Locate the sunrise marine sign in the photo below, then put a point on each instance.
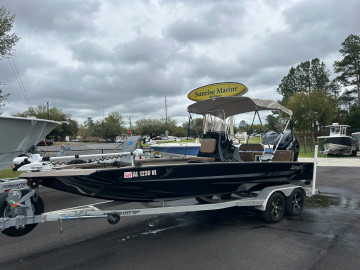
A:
(224, 89)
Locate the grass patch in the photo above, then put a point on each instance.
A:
(309, 154)
(9, 173)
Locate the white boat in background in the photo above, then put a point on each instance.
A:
(338, 142)
(180, 148)
(356, 135)
(19, 134)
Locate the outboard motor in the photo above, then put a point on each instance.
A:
(288, 142)
(270, 137)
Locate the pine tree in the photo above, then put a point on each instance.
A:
(305, 77)
(349, 66)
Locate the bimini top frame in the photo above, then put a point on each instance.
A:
(229, 106)
(224, 107)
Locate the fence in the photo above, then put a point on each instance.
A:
(307, 143)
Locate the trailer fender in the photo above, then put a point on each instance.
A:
(285, 190)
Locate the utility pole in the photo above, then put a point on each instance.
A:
(48, 110)
(166, 117)
(130, 121)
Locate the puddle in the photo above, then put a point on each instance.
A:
(329, 200)
(153, 227)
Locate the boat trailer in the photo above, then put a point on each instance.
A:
(12, 183)
(22, 209)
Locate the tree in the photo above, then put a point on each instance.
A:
(307, 76)
(273, 123)
(348, 99)
(353, 119)
(243, 126)
(108, 128)
(87, 129)
(179, 132)
(155, 127)
(256, 128)
(196, 127)
(7, 42)
(349, 66)
(311, 111)
(3, 97)
(99, 129)
(70, 128)
(113, 125)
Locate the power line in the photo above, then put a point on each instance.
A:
(43, 78)
(18, 79)
(22, 85)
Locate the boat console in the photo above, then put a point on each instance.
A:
(224, 150)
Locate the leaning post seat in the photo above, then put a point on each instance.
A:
(207, 147)
(284, 155)
(248, 151)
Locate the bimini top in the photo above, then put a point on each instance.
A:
(234, 105)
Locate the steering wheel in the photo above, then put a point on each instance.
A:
(234, 139)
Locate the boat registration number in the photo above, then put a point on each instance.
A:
(135, 174)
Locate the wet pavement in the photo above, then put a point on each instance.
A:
(343, 161)
(325, 236)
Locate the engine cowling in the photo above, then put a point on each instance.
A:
(288, 141)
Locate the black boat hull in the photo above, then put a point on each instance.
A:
(169, 182)
(341, 144)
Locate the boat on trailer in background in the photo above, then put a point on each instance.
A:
(18, 135)
(356, 135)
(338, 142)
(220, 175)
(179, 148)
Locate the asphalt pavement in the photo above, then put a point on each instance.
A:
(325, 236)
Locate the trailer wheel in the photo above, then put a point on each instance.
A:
(275, 208)
(113, 219)
(295, 203)
(8, 211)
(204, 199)
(211, 199)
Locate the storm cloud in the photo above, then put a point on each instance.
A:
(93, 57)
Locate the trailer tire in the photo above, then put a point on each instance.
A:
(76, 161)
(38, 208)
(204, 200)
(209, 199)
(295, 203)
(275, 208)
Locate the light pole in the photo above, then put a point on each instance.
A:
(48, 111)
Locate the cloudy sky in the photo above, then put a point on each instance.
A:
(91, 57)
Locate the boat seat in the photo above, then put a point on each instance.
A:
(248, 151)
(247, 156)
(283, 155)
(208, 146)
(253, 147)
